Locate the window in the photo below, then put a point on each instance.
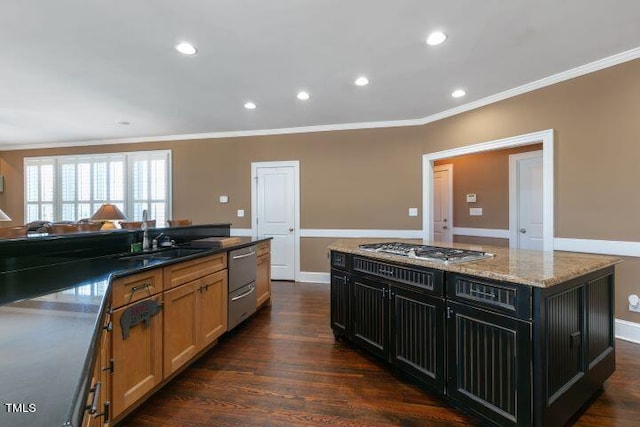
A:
(70, 188)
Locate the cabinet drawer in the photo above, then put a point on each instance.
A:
(187, 271)
(136, 287)
(263, 248)
(422, 278)
(338, 260)
(503, 297)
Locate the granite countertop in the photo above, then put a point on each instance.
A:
(533, 268)
(50, 320)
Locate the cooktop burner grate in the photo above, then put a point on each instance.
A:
(430, 253)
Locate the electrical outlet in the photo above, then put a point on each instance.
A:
(413, 211)
(240, 213)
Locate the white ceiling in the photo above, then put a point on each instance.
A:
(71, 69)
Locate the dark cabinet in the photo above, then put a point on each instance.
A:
(417, 336)
(512, 354)
(369, 315)
(489, 360)
(339, 303)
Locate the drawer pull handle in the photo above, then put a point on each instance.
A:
(243, 295)
(135, 289)
(244, 255)
(484, 294)
(93, 408)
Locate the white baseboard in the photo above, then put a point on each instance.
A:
(314, 277)
(628, 331)
(481, 232)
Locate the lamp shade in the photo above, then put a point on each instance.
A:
(108, 212)
(4, 216)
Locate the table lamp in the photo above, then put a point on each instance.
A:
(4, 216)
(109, 213)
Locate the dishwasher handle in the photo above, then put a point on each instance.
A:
(243, 255)
(253, 288)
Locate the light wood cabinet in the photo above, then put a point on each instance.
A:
(183, 272)
(136, 287)
(195, 316)
(101, 375)
(263, 273)
(137, 358)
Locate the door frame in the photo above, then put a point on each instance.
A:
(296, 205)
(547, 139)
(514, 206)
(448, 167)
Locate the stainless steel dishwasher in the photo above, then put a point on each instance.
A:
(242, 284)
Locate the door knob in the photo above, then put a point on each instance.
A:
(523, 230)
(290, 228)
(444, 227)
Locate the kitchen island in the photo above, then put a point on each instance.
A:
(58, 321)
(518, 338)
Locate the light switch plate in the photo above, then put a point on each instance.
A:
(240, 213)
(224, 199)
(475, 211)
(471, 198)
(413, 211)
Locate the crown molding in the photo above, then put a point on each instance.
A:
(591, 67)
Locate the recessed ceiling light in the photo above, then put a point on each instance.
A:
(458, 93)
(186, 48)
(250, 106)
(436, 38)
(362, 81)
(123, 123)
(303, 95)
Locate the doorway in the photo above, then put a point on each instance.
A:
(545, 137)
(275, 213)
(525, 201)
(443, 203)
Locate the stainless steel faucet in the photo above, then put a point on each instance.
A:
(145, 231)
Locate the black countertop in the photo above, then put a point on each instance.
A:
(50, 319)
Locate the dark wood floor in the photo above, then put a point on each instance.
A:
(283, 368)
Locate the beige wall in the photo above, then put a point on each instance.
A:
(343, 184)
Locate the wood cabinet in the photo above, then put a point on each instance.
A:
(137, 358)
(195, 316)
(513, 355)
(263, 273)
(100, 415)
(183, 272)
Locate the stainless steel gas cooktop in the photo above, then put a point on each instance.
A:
(429, 253)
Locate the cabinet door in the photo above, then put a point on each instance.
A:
(212, 307)
(369, 316)
(417, 336)
(263, 279)
(137, 359)
(486, 374)
(339, 302)
(181, 326)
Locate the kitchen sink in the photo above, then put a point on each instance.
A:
(166, 254)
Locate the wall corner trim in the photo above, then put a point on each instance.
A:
(628, 331)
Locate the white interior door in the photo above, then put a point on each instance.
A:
(528, 230)
(276, 216)
(442, 203)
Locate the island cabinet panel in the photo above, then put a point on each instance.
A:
(417, 335)
(137, 357)
(135, 287)
(98, 412)
(186, 271)
(212, 307)
(340, 303)
(369, 315)
(489, 362)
